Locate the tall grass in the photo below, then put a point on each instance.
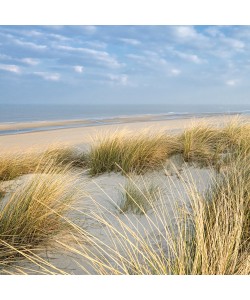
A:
(16, 164)
(201, 144)
(130, 153)
(138, 196)
(208, 234)
(33, 215)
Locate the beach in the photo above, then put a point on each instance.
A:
(108, 231)
(82, 136)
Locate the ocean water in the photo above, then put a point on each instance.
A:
(30, 113)
(94, 115)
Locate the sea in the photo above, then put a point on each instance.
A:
(94, 115)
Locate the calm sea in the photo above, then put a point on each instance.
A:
(94, 115)
(30, 113)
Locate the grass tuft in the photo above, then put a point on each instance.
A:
(34, 213)
(138, 196)
(138, 153)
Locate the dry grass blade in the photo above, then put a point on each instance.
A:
(132, 153)
(33, 214)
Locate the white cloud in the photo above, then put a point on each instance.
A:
(190, 57)
(30, 45)
(4, 56)
(118, 79)
(175, 72)
(96, 44)
(101, 56)
(32, 33)
(232, 82)
(89, 29)
(11, 68)
(189, 35)
(133, 42)
(185, 32)
(48, 76)
(59, 37)
(234, 43)
(30, 61)
(78, 69)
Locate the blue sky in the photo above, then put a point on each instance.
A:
(125, 64)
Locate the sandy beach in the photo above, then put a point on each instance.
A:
(82, 136)
(97, 210)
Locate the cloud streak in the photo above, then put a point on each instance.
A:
(11, 68)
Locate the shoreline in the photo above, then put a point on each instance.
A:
(16, 128)
(83, 136)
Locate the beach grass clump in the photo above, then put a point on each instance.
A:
(138, 196)
(201, 144)
(2, 193)
(236, 136)
(138, 153)
(34, 213)
(206, 234)
(16, 164)
(13, 165)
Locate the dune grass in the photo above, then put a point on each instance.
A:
(139, 195)
(130, 153)
(208, 235)
(16, 164)
(201, 144)
(33, 214)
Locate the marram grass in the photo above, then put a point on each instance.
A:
(33, 214)
(138, 195)
(209, 235)
(16, 164)
(130, 153)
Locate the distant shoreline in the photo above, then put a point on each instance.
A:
(82, 137)
(14, 128)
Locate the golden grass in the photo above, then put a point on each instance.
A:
(139, 195)
(34, 213)
(130, 153)
(208, 235)
(16, 164)
(201, 144)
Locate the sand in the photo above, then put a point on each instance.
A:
(104, 193)
(82, 136)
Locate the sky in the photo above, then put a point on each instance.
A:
(125, 64)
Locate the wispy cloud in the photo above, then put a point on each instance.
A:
(101, 56)
(189, 57)
(11, 68)
(118, 79)
(78, 69)
(132, 42)
(232, 82)
(175, 72)
(89, 29)
(30, 45)
(48, 76)
(30, 61)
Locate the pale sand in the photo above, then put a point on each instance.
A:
(82, 136)
(105, 190)
(103, 195)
